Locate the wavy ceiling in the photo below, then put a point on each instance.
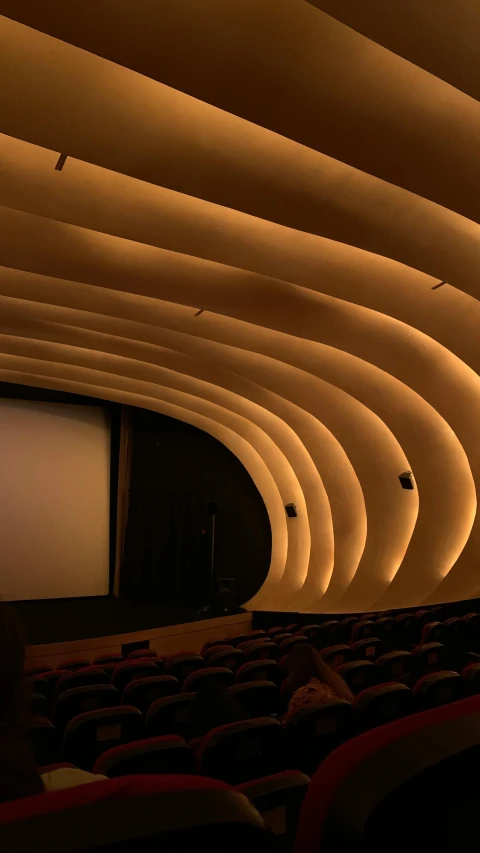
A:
(304, 174)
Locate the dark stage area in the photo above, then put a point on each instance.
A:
(61, 620)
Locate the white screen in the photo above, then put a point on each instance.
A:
(54, 500)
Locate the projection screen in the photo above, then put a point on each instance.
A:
(54, 500)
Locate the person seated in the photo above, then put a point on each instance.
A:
(19, 773)
(211, 707)
(311, 681)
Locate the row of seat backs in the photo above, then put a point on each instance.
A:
(312, 733)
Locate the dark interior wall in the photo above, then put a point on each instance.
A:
(177, 470)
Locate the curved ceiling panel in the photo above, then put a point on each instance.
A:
(305, 290)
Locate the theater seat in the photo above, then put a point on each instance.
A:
(255, 635)
(331, 633)
(143, 692)
(183, 665)
(386, 630)
(411, 785)
(336, 655)
(438, 688)
(79, 700)
(429, 657)
(44, 740)
(90, 734)
(396, 666)
(73, 664)
(382, 704)
(358, 674)
(362, 630)
(287, 645)
(167, 754)
(258, 670)
(210, 644)
(169, 716)
(279, 800)
(278, 629)
(83, 678)
(142, 654)
(257, 698)
(132, 671)
(38, 705)
(114, 657)
(242, 751)
(310, 631)
(280, 637)
(236, 639)
(406, 630)
(213, 650)
(434, 632)
(471, 678)
(369, 648)
(292, 628)
(37, 684)
(136, 814)
(314, 731)
(231, 658)
(261, 651)
(218, 674)
(34, 670)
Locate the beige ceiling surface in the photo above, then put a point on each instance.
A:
(304, 174)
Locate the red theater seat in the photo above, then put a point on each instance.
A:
(143, 692)
(167, 754)
(396, 666)
(131, 671)
(183, 665)
(79, 700)
(196, 680)
(258, 670)
(257, 634)
(32, 671)
(90, 734)
(136, 814)
(169, 716)
(44, 740)
(331, 633)
(38, 705)
(257, 698)
(231, 658)
(336, 655)
(358, 674)
(215, 649)
(73, 664)
(292, 628)
(369, 648)
(434, 632)
(141, 654)
(278, 629)
(408, 785)
(471, 678)
(311, 631)
(386, 629)
(238, 752)
(83, 678)
(314, 731)
(362, 630)
(261, 651)
(279, 800)
(111, 658)
(278, 638)
(287, 645)
(382, 704)
(438, 688)
(429, 657)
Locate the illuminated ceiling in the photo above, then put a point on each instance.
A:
(259, 200)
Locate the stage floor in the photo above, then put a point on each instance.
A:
(61, 620)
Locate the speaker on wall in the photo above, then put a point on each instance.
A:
(406, 479)
(291, 510)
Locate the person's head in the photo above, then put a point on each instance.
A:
(13, 701)
(213, 706)
(305, 663)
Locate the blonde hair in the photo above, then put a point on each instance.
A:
(305, 663)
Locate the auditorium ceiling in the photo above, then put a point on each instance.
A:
(267, 225)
